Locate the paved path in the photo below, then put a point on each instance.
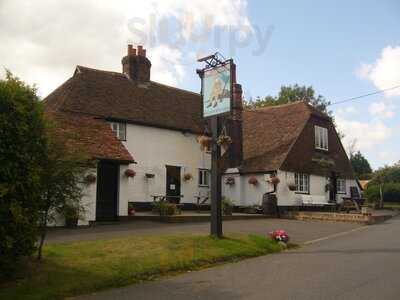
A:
(301, 231)
(363, 264)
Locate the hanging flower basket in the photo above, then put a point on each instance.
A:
(89, 179)
(230, 180)
(205, 142)
(253, 180)
(292, 186)
(187, 176)
(274, 180)
(130, 173)
(224, 141)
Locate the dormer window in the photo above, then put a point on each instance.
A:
(321, 138)
(120, 130)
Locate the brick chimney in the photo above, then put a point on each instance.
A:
(136, 65)
(235, 124)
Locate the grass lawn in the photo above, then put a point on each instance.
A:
(83, 267)
(391, 205)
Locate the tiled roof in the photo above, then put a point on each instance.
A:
(89, 134)
(113, 95)
(268, 134)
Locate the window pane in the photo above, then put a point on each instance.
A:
(122, 131)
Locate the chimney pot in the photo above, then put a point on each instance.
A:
(135, 65)
(140, 50)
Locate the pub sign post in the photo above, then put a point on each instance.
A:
(216, 90)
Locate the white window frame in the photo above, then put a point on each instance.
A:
(321, 138)
(204, 177)
(341, 186)
(302, 182)
(119, 129)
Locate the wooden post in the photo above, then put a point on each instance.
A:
(216, 210)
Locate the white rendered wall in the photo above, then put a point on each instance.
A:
(153, 149)
(89, 201)
(244, 194)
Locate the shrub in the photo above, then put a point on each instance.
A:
(165, 208)
(22, 149)
(227, 206)
(391, 192)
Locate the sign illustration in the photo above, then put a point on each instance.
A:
(217, 90)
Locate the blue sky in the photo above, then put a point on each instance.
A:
(324, 44)
(341, 48)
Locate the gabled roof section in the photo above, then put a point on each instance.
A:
(112, 95)
(86, 133)
(270, 132)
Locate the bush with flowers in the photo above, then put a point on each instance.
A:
(279, 235)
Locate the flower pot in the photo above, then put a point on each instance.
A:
(253, 180)
(230, 181)
(274, 180)
(187, 176)
(292, 187)
(130, 173)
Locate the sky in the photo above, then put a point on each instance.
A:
(342, 48)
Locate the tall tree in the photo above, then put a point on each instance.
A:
(360, 165)
(293, 93)
(22, 150)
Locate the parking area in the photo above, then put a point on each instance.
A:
(299, 231)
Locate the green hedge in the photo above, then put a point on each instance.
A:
(391, 192)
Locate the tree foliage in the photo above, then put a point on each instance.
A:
(360, 165)
(63, 187)
(22, 149)
(387, 180)
(293, 93)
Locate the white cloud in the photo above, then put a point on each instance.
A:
(347, 110)
(367, 134)
(381, 109)
(384, 72)
(42, 41)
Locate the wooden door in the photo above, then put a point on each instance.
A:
(107, 191)
(173, 183)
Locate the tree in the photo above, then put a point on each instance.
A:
(360, 165)
(22, 150)
(293, 93)
(64, 182)
(385, 185)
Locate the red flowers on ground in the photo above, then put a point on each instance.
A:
(279, 235)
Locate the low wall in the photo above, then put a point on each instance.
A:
(338, 217)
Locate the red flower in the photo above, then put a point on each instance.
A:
(253, 180)
(130, 173)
